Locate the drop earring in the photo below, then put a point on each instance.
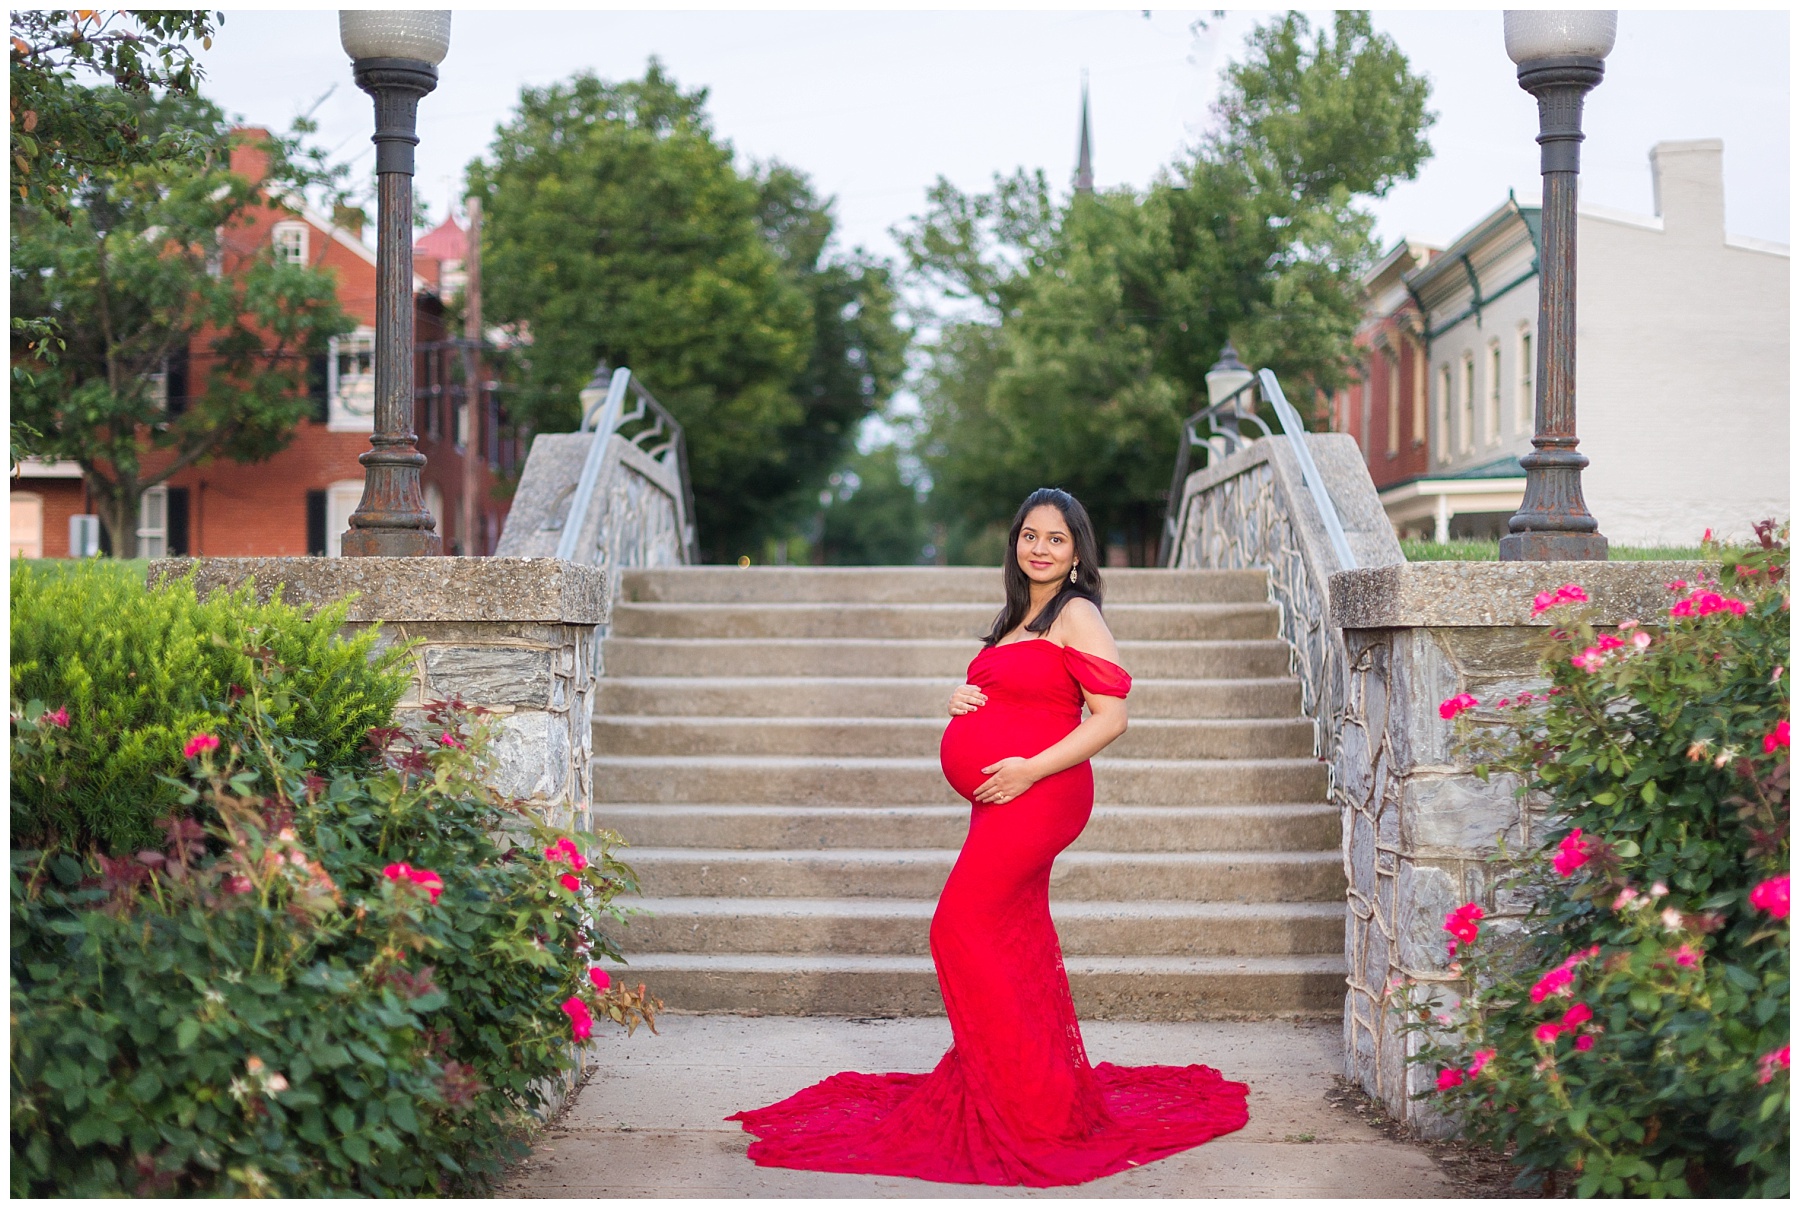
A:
(1072, 573)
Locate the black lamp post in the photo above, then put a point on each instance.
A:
(1561, 56)
(395, 54)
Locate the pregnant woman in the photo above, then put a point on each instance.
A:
(1015, 1101)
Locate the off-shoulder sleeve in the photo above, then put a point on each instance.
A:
(1096, 675)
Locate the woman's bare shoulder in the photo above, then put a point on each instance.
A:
(1081, 626)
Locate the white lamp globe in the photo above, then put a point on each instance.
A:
(1226, 376)
(1548, 33)
(395, 33)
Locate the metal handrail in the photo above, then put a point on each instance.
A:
(1224, 438)
(1222, 420)
(609, 417)
(1315, 482)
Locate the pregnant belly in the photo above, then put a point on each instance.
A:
(990, 734)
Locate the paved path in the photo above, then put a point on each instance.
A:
(649, 1122)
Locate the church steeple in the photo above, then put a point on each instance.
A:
(1084, 155)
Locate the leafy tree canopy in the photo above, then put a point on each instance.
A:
(1088, 325)
(617, 228)
(65, 129)
(148, 256)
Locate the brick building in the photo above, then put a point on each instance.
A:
(298, 501)
(1385, 409)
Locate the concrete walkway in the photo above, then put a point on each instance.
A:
(648, 1121)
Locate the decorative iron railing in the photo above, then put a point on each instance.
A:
(1225, 437)
(616, 493)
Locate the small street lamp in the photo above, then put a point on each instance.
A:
(1561, 56)
(395, 53)
(1227, 376)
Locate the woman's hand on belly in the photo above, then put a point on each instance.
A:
(1007, 780)
(966, 699)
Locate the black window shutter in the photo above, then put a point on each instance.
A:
(315, 524)
(175, 378)
(318, 378)
(178, 522)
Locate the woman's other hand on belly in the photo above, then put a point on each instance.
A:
(1007, 780)
(966, 699)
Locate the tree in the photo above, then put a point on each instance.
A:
(145, 260)
(872, 512)
(617, 228)
(1093, 321)
(62, 130)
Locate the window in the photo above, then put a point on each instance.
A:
(1467, 412)
(341, 500)
(1419, 393)
(1527, 383)
(290, 239)
(153, 523)
(352, 382)
(318, 386)
(317, 545)
(1443, 416)
(1391, 362)
(1493, 408)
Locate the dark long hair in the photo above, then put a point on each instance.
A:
(1086, 583)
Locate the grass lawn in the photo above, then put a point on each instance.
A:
(1418, 550)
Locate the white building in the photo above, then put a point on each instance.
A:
(1681, 375)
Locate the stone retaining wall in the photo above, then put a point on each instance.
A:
(517, 636)
(1419, 826)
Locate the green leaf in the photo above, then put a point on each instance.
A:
(186, 1033)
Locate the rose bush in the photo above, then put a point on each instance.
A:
(1633, 1036)
(309, 986)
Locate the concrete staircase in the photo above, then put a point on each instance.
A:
(766, 740)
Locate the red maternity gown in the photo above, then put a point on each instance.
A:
(1015, 1101)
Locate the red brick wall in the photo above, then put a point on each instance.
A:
(62, 498)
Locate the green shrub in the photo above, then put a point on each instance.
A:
(136, 672)
(1635, 1034)
(1424, 550)
(353, 987)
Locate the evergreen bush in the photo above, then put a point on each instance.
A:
(1634, 1036)
(357, 986)
(133, 672)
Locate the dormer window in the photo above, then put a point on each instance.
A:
(290, 242)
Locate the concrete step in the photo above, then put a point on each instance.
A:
(1152, 738)
(1245, 877)
(845, 697)
(1104, 988)
(933, 658)
(902, 926)
(1292, 827)
(818, 781)
(1129, 622)
(920, 585)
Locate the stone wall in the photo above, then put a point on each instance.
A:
(1419, 826)
(517, 636)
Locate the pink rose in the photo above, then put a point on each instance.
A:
(1547, 1033)
(1771, 897)
(599, 978)
(1590, 660)
(1571, 854)
(570, 882)
(1577, 1015)
(1482, 1058)
(450, 740)
(1584, 1042)
(581, 1021)
(199, 743)
(1686, 955)
(1771, 1062)
(1464, 923)
(1453, 706)
(1449, 1077)
(1640, 640)
(1776, 738)
(60, 717)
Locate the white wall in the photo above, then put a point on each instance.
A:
(1682, 364)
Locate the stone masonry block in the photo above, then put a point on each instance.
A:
(489, 675)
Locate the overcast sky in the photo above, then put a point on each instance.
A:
(874, 105)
